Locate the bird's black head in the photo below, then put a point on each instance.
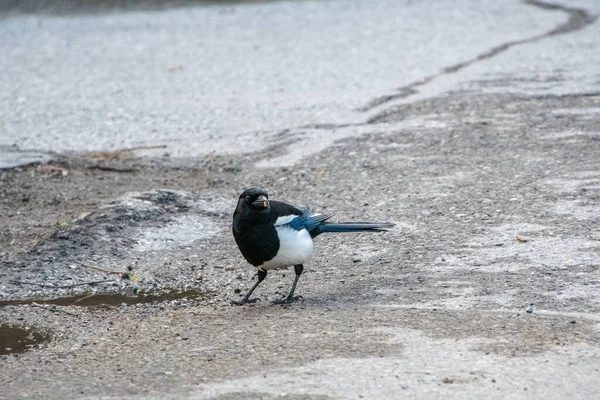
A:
(255, 198)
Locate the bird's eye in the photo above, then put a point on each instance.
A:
(247, 198)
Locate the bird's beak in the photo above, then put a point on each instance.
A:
(261, 202)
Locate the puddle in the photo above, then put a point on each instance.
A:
(15, 339)
(109, 300)
(13, 157)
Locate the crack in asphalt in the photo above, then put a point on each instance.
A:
(578, 19)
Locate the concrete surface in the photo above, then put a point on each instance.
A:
(471, 125)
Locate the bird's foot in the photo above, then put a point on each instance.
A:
(288, 300)
(244, 301)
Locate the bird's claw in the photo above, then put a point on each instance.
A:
(288, 300)
(244, 301)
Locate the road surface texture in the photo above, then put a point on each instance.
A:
(129, 129)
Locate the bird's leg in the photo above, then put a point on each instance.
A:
(262, 274)
(298, 269)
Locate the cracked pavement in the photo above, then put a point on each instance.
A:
(473, 127)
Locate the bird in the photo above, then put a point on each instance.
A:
(272, 234)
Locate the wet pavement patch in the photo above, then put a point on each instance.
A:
(65, 7)
(15, 339)
(111, 300)
(13, 158)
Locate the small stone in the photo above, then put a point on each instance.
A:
(530, 309)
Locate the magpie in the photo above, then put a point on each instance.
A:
(271, 235)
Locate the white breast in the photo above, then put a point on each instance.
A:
(285, 220)
(295, 247)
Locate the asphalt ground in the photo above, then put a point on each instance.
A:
(487, 286)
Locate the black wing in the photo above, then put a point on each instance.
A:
(281, 209)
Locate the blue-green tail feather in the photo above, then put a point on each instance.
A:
(351, 227)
